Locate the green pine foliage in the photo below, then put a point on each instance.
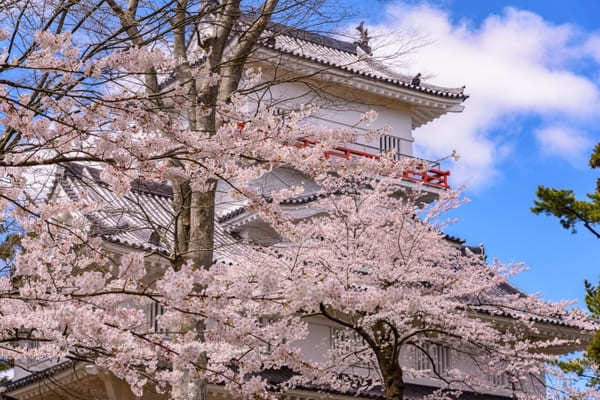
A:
(570, 212)
(584, 366)
(562, 204)
(592, 354)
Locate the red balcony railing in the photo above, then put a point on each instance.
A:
(431, 176)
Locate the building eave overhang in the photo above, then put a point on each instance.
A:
(64, 373)
(240, 217)
(425, 107)
(74, 373)
(546, 330)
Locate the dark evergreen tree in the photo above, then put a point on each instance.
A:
(562, 204)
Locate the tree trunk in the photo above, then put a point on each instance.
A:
(202, 227)
(394, 382)
(385, 338)
(195, 209)
(383, 342)
(181, 208)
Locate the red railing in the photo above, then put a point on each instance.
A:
(432, 176)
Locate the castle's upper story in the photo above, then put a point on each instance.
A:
(345, 69)
(345, 80)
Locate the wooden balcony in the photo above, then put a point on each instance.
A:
(435, 176)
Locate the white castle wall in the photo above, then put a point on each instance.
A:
(319, 341)
(341, 109)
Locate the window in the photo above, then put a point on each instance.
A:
(31, 344)
(351, 348)
(265, 347)
(440, 355)
(27, 342)
(500, 381)
(388, 144)
(341, 338)
(156, 309)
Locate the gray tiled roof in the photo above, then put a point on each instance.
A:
(37, 376)
(304, 199)
(346, 56)
(313, 37)
(133, 219)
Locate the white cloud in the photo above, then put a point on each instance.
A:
(592, 47)
(564, 142)
(514, 65)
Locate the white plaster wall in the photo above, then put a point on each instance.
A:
(317, 343)
(341, 109)
(315, 346)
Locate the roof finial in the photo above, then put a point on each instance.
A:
(416, 81)
(363, 42)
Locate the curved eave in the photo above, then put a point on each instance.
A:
(453, 93)
(548, 328)
(244, 218)
(424, 105)
(64, 373)
(240, 217)
(423, 115)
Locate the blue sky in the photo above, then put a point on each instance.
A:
(532, 69)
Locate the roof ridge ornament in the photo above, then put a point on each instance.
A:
(416, 81)
(363, 42)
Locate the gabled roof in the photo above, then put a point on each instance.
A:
(328, 54)
(343, 55)
(347, 56)
(143, 219)
(37, 376)
(345, 64)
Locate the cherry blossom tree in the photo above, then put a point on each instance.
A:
(375, 263)
(120, 89)
(143, 89)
